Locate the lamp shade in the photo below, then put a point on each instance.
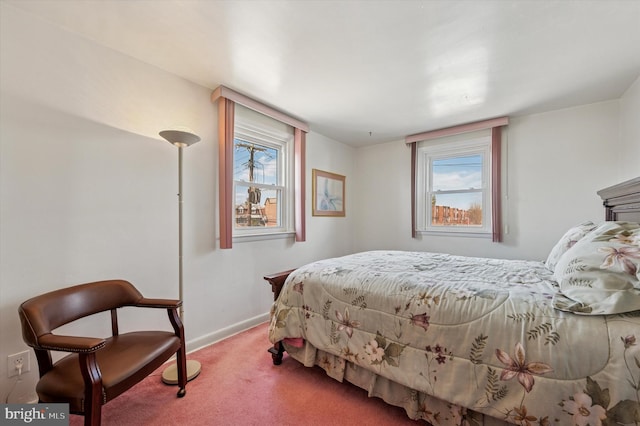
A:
(180, 138)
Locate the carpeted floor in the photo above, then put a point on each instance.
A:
(239, 385)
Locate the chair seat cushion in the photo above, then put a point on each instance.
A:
(125, 360)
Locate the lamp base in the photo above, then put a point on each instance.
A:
(170, 374)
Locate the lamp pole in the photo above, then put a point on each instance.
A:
(181, 139)
(180, 201)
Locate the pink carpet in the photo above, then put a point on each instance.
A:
(239, 385)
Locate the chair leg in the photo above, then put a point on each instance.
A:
(181, 354)
(93, 417)
(181, 361)
(93, 389)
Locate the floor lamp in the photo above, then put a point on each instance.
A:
(180, 139)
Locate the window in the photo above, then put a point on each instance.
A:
(271, 132)
(491, 173)
(454, 185)
(262, 175)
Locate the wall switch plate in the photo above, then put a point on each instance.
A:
(14, 360)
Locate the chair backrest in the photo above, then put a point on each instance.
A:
(42, 314)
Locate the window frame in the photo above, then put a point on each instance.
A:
(283, 142)
(427, 152)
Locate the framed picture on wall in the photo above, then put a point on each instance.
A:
(328, 193)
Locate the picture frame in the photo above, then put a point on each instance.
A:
(328, 194)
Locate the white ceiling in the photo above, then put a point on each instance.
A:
(391, 68)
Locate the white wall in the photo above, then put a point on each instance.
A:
(88, 189)
(555, 164)
(629, 153)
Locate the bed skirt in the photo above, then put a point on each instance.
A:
(418, 405)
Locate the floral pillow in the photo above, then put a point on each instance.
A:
(572, 236)
(600, 274)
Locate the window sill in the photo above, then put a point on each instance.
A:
(456, 234)
(263, 236)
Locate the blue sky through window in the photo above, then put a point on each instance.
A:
(457, 173)
(265, 163)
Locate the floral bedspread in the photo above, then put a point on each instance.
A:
(480, 334)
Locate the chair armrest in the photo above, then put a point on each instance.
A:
(158, 303)
(70, 343)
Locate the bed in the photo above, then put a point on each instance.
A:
(464, 341)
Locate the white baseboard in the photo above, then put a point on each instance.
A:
(216, 336)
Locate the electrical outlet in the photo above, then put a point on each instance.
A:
(14, 360)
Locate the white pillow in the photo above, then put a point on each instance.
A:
(600, 274)
(572, 236)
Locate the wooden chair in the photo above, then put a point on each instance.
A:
(97, 369)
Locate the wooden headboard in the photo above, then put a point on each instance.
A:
(622, 201)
